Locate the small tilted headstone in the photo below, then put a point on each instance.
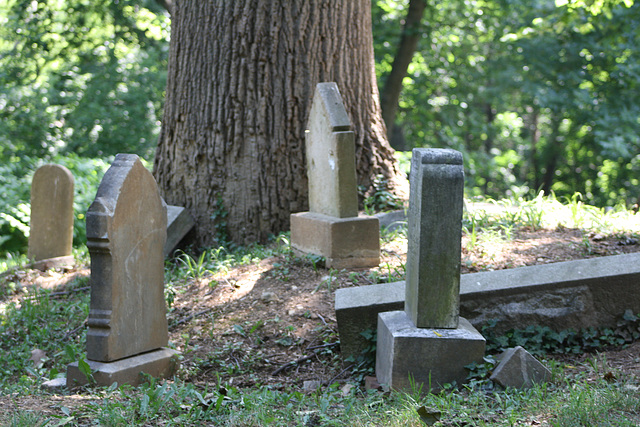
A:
(179, 223)
(51, 234)
(126, 234)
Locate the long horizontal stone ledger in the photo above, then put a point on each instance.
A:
(571, 294)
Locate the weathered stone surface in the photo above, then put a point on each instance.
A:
(57, 262)
(435, 231)
(161, 363)
(432, 357)
(56, 383)
(519, 369)
(51, 234)
(344, 242)
(357, 311)
(179, 223)
(330, 151)
(126, 234)
(571, 294)
(393, 220)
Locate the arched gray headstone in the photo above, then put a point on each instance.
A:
(51, 234)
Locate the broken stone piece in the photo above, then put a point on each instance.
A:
(519, 369)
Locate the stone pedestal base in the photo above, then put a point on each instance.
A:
(161, 363)
(61, 261)
(344, 242)
(431, 357)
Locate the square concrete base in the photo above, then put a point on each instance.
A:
(344, 242)
(431, 357)
(161, 363)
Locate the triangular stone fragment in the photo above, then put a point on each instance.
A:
(519, 369)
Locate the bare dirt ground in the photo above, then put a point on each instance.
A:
(272, 324)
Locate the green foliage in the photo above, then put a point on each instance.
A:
(544, 211)
(81, 77)
(542, 340)
(45, 321)
(382, 199)
(535, 94)
(219, 217)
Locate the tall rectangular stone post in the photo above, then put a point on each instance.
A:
(332, 227)
(434, 227)
(51, 225)
(126, 234)
(428, 342)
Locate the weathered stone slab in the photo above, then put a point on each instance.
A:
(51, 235)
(56, 383)
(126, 234)
(357, 308)
(571, 294)
(393, 220)
(435, 232)
(519, 369)
(330, 151)
(179, 223)
(344, 242)
(161, 363)
(431, 357)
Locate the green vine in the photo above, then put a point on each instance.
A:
(540, 340)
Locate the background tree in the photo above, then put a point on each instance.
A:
(81, 77)
(536, 94)
(241, 78)
(411, 32)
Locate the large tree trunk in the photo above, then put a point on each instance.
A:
(241, 78)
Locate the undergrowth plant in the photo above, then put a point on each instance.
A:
(381, 199)
(546, 211)
(542, 340)
(42, 334)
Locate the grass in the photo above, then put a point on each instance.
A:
(39, 319)
(550, 213)
(569, 401)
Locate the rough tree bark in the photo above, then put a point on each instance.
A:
(240, 82)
